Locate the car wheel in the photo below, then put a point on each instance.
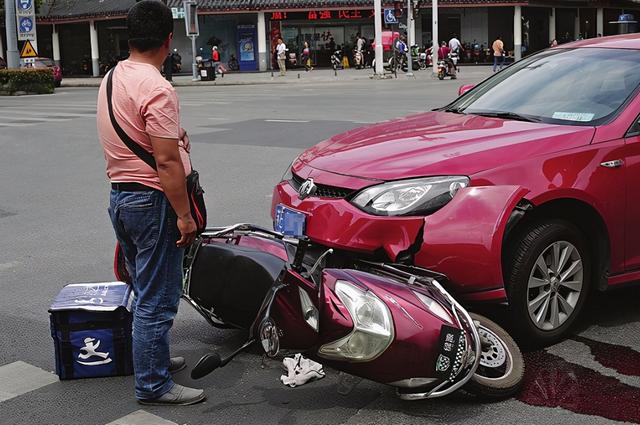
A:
(58, 83)
(548, 280)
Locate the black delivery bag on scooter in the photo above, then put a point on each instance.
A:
(91, 330)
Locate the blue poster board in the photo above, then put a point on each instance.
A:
(248, 47)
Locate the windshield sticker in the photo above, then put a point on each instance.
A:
(573, 116)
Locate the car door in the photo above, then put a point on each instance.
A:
(632, 211)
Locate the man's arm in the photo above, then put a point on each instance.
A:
(173, 182)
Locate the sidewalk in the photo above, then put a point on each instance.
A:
(294, 76)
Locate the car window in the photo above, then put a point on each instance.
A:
(44, 63)
(565, 86)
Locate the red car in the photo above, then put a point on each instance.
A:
(49, 63)
(524, 190)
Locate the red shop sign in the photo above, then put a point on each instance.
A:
(323, 15)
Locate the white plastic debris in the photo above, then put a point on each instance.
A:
(300, 371)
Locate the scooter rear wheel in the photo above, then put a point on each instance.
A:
(501, 369)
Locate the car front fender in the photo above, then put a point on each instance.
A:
(464, 240)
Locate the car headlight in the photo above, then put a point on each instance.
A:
(372, 326)
(410, 197)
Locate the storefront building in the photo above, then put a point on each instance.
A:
(88, 36)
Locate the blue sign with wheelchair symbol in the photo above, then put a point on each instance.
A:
(390, 16)
(25, 4)
(26, 24)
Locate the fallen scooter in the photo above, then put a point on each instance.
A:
(389, 323)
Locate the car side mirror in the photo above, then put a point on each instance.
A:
(465, 88)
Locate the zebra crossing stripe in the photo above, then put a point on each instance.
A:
(141, 417)
(19, 378)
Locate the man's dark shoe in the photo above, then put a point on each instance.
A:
(178, 396)
(177, 364)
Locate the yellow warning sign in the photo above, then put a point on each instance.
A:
(28, 51)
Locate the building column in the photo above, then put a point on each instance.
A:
(95, 54)
(552, 25)
(517, 33)
(417, 23)
(600, 21)
(411, 31)
(262, 42)
(576, 25)
(55, 41)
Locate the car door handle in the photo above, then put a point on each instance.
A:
(616, 163)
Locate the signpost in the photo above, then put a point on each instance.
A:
(26, 19)
(390, 16)
(28, 53)
(193, 31)
(377, 12)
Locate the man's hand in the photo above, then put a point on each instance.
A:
(187, 228)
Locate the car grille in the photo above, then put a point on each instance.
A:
(322, 190)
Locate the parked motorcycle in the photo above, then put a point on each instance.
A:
(336, 60)
(234, 65)
(390, 323)
(358, 59)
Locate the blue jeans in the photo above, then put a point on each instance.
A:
(498, 61)
(146, 228)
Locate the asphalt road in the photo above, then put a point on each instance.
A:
(54, 230)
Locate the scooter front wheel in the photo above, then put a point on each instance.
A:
(501, 369)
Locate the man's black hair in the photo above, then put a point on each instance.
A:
(149, 23)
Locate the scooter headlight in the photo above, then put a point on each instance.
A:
(373, 326)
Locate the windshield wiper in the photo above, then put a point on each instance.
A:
(454, 110)
(506, 115)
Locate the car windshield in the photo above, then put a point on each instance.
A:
(583, 86)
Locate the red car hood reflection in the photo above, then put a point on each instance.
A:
(439, 143)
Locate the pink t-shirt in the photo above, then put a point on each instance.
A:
(144, 104)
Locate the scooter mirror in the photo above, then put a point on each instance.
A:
(269, 337)
(207, 364)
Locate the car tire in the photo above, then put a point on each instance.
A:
(544, 304)
(57, 83)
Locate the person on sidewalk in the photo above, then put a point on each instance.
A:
(215, 61)
(281, 52)
(306, 57)
(149, 209)
(498, 54)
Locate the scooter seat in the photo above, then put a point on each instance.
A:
(232, 281)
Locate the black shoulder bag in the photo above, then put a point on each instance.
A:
(194, 190)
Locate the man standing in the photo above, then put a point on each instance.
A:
(281, 52)
(498, 54)
(455, 45)
(149, 209)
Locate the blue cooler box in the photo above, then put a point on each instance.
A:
(91, 330)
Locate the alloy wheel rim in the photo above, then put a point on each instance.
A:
(555, 285)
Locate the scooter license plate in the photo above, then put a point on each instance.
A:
(449, 357)
(289, 221)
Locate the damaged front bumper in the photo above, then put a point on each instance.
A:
(463, 240)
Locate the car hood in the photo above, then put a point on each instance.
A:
(439, 143)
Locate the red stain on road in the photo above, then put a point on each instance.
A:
(551, 381)
(622, 359)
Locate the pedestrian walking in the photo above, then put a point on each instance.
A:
(281, 52)
(306, 57)
(498, 54)
(149, 209)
